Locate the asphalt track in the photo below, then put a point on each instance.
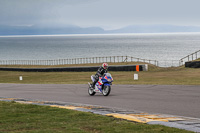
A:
(165, 99)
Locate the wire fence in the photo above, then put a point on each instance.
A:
(168, 63)
(191, 57)
(111, 59)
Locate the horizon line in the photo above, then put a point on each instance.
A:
(84, 34)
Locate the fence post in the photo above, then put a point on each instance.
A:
(196, 54)
(192, 57)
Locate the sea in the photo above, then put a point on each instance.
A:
(152, 46)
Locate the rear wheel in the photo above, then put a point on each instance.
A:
(91, 91)
(106, 90)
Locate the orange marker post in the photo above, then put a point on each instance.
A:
(137, 68)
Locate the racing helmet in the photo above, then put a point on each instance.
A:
(105, 66)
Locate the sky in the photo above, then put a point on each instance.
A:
(108, 14)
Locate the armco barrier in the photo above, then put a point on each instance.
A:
(77, 69)
(193, 64)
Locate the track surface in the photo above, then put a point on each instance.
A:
(166, 99)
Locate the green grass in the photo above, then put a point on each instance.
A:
(155, 75)
(197, 59)
(163, 76)
(15, 117)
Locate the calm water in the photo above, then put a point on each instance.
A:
(149, 46)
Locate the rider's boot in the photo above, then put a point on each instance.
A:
(93, 85)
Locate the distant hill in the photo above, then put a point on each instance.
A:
(72, 29)
(47, 30)
(155, 29)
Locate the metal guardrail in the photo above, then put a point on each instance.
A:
(191, 57)
(110, 59)
(143, 67)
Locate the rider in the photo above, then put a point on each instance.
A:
(100, 72)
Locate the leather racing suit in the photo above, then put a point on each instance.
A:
(99, 73)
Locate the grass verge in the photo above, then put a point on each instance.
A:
(155, 75)
(15, 117)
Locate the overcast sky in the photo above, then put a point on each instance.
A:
(107, 14)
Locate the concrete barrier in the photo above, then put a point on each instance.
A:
(193, 64)
(78, 69)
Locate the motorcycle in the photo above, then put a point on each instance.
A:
(103, 86)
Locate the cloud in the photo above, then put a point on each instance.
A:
(107, 13)
(23, 11)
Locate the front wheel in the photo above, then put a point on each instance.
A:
(106, 90)
(91, 91)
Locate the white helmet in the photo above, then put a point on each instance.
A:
(105, 66)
